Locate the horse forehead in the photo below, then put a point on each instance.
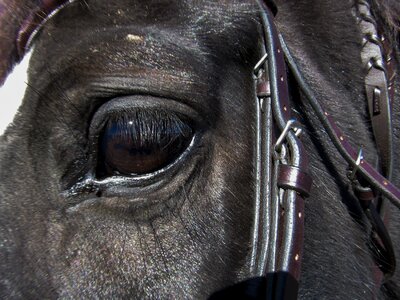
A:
(137, 34)
(205, 18)
(160, 11)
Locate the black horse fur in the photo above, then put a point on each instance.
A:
(185, 232)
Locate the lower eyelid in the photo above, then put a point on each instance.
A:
(90, 192)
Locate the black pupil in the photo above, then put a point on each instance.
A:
(141, 142)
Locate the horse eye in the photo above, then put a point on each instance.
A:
(141, 142)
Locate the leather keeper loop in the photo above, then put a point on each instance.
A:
(263, 88)
(290, 177)
(364, 195)
(367, 195)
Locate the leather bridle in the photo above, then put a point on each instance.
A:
(281, 203)
(278, 229)
(278, 232)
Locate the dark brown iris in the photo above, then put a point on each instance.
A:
(142, 143)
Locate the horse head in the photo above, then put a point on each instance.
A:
(131, 167)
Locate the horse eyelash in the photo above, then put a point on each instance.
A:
(149, 127)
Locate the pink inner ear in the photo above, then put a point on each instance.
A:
(19, 21)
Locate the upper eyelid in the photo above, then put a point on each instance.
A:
(149, 124)
(139, 102)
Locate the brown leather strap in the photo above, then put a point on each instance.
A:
(376, 84)
(287, 213)
(290, 177)
(342, 144)
(366, 173)
(376, 55)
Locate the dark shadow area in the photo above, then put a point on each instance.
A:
(273, 286)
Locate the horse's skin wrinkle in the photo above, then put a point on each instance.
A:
(186, 232)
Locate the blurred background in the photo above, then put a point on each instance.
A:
(12, 92)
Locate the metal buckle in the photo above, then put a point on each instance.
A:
(291, 124)
(376, 63)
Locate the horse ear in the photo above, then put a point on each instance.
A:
(19, 20)
(12, 15)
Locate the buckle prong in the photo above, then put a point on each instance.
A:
(291, 124)
(354, 169)
(260, 64)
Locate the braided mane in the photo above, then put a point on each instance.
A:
(387, 12)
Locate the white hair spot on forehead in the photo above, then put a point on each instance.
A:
(134, 38)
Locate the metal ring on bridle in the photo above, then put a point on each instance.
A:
(376, 63)
(373, 38)
(291, 124)
(281, 154)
